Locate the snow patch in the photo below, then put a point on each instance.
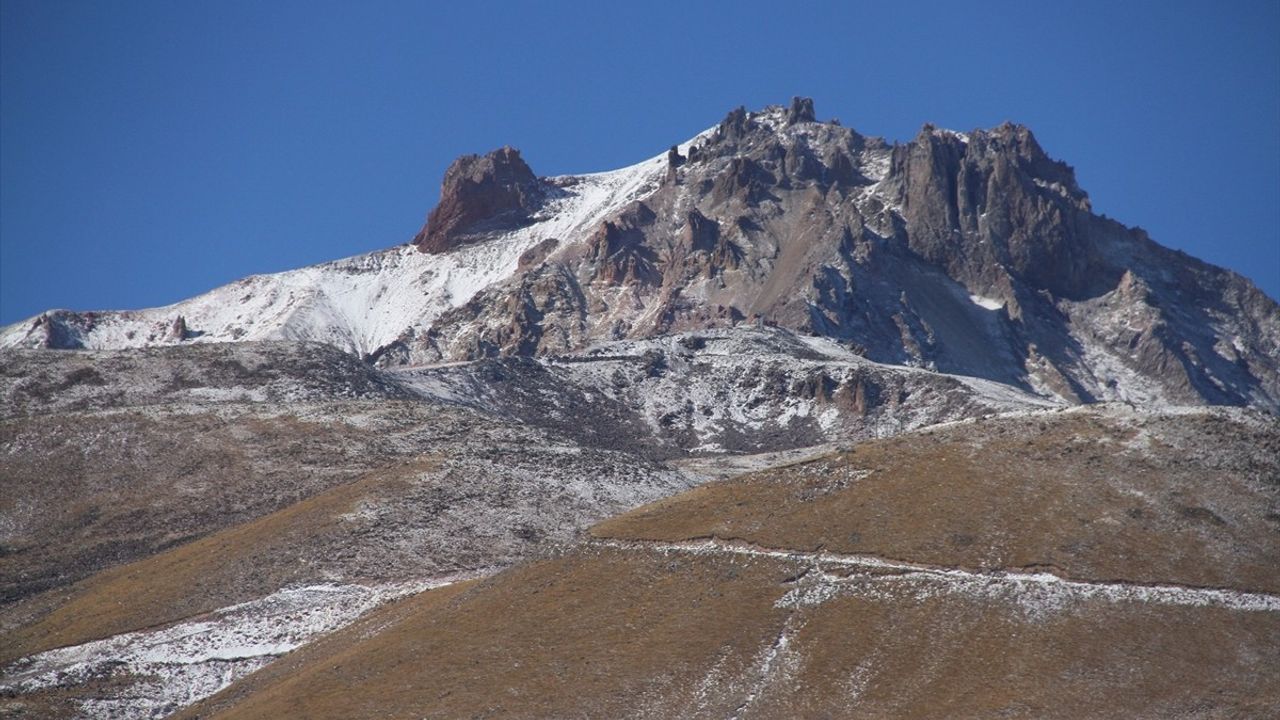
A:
(986, 302)
(1037, 592)
(361, 303)
(178, 665)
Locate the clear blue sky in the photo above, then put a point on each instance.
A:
(150, 151)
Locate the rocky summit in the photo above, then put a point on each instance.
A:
(784, 421)
(478, 194)
(972, 253)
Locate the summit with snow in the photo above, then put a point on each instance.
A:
(969, 253)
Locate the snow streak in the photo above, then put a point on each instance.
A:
(1047, 590)
(178, 665)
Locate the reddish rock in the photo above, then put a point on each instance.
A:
(496, 190)
(619, 249)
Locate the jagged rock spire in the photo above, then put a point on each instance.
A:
(801, 110)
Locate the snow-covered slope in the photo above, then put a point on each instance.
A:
(359, 304)
(185, 662)
(730, 390)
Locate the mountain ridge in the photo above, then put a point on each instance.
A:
(972, 253)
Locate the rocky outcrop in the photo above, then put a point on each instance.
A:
(705, 247)
(497, 190)
(801, 110)
(734, 126)
(178, 330)
(982, 203)
(619, 250)
(674, 161)
(745, 180)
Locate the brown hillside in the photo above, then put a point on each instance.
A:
(235, 565)
(643, 623)
(1094, 495)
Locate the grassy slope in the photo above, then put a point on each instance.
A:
(328, 649)
(1066, 493)
(603, 632)
(87, 491)
(234, 565)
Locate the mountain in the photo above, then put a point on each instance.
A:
(968, 253)
(783, 422)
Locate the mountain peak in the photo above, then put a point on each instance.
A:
(495, 187)
(973, 253)
(801, 110)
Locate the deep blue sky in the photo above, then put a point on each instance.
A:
(150, 151)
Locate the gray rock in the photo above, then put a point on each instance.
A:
(801, 110)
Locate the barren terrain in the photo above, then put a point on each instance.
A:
(821, 590)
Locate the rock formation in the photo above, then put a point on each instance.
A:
(497, 189)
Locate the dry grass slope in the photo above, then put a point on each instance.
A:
(592, 635)
(234, 565)
(630, 630)
(1186, 500)
(86, 491)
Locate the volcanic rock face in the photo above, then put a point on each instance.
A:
(498, 187)
(972, 253)
(801, 110)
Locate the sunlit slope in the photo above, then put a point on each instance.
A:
(951, 573)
